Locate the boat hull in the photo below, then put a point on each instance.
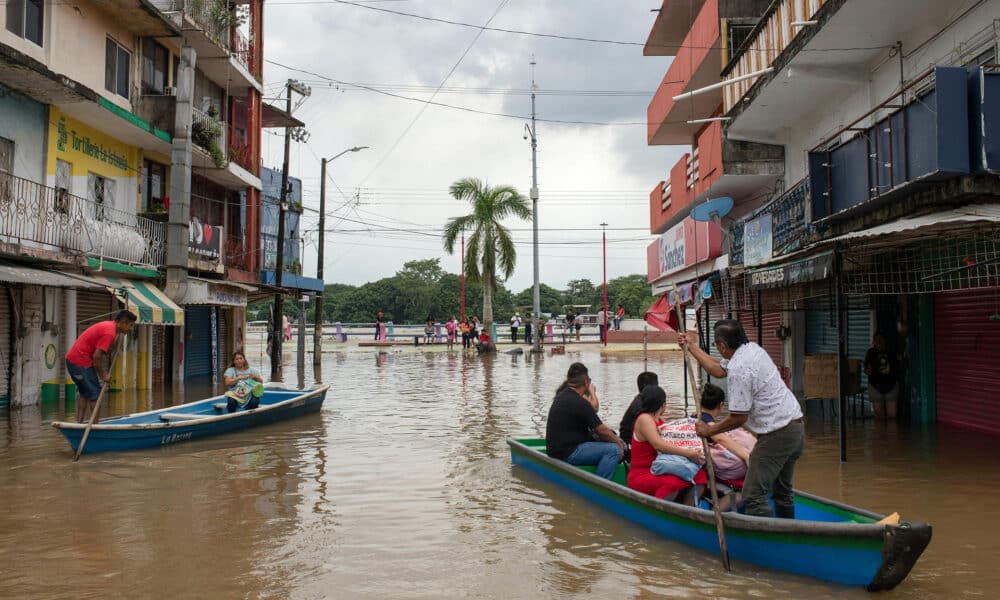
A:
(843, 544)
(148, 430)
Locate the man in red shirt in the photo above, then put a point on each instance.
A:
(88, 361)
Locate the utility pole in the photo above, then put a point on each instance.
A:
(604, 253)
(533, 130)
(318, 306)
(279, 266)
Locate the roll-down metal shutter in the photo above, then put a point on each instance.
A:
(5, 346)
(967, 357)
(197, 341)
(93, 306)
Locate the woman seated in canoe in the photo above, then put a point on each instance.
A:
(731, 450)
(647, 442)
(244, 383)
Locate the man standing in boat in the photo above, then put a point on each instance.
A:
(88, 361)
(759, 399)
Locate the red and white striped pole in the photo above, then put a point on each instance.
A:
(463, 277)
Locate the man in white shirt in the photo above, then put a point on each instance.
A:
(601, 323)
(515, 322)
(761, 401)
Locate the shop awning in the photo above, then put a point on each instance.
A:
(144, 300)
(217, 293)
(19, 274)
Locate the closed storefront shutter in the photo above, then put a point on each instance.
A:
(967, 370)
(93, 306)
(225, 348)
(821, 334)
(5, 346)
(197, 341)
(157, 358)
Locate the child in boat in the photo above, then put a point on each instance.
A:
(242, 380)
(647, 443)
(731, 450)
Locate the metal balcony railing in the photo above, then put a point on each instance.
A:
(788, 223)
(239, 151)
(243, 50)
(209, 133)
(35, 215)
(237, 255)
(214, 17)
(693, 169)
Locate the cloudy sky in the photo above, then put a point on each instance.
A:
(388, 204)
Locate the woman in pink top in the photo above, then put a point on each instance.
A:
(450, 327)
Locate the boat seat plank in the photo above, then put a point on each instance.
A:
(178, 416)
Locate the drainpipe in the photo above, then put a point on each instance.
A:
(180, 196)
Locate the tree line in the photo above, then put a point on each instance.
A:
(423, 289)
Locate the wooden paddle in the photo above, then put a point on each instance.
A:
(97, 407)
(704, 442)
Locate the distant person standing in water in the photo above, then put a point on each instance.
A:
(883, 378)
(378, 325)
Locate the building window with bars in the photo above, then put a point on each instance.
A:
(25, 19)
(117, 62)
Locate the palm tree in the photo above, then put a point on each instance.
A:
(490, 254)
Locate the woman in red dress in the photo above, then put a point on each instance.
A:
(646, 442)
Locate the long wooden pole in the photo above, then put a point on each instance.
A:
(97, 406)
(720, 528)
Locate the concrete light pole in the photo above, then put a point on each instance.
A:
(318, 307)
(536, 309)
(604, 253)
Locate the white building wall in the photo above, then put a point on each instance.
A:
(880, 80)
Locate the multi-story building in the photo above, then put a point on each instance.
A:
(885, 218)
(95, 147)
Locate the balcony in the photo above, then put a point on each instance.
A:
(816, 69)
(671, 25)
(774, 230)
(716, 167)
(695, 65)
(924, 140)
(45, 222)
(219, 155)
(238, 254)
(211, 27)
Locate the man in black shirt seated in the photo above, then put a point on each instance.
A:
(573, 423)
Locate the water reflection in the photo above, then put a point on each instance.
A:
(402, 487)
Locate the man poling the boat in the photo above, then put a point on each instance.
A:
(761, 401)
(246, 386)
(88, 361)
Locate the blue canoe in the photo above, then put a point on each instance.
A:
(191, 421)
(827, 539)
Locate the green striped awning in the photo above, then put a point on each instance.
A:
(145, 301)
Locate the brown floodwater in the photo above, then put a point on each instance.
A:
(402, 487)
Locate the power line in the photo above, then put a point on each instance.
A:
(571, 38)
(434, 95)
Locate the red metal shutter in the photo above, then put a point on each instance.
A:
(967, 359)
(774, 347)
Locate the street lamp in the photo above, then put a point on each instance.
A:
(536, 308)
(318, 317)
(604, 253)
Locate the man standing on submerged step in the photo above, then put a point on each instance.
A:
(759, 399)
(573, 423)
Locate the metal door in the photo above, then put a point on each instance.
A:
(197, 341)
(5, 346)
(967, 369)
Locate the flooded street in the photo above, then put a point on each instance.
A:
(402, 487)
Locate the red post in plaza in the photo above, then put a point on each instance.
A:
(604, 253)
(463, 278)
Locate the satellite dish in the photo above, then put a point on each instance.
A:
(712, 209)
